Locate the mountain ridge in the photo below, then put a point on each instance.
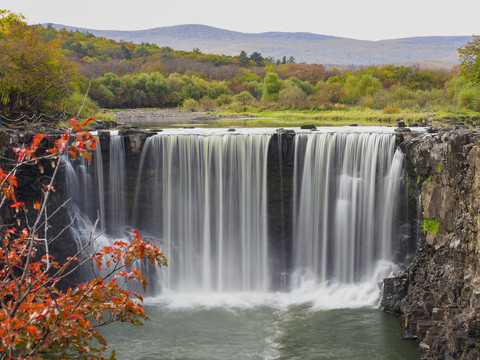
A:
(304, 46)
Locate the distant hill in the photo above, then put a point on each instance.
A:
(305, 47)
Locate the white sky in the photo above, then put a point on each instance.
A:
(359, 19)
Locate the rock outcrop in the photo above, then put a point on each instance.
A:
(438, 296)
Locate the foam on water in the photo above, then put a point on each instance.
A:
(316, 295)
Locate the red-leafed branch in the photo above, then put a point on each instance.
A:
(37, 318)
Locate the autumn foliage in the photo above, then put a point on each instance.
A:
(37, 319)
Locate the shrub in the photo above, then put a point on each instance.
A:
(207, 104)
(236, 107)
(431, 98)
(368, 101)
(401, 93)
(74, 103)
(469, 98)
(406, 104)
(476, 102)
(292, 96)
(304, 85)
(328, 93)
(244, 98)
(190, 105)
(391, 109)
(431, 226)
(382, 99)
(223, 100)
(454, 86)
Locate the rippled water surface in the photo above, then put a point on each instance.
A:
(223, 328)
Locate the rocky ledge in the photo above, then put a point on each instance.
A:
(438, 296)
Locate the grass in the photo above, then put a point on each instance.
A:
(107, 115)
(431, 226)
(294, 122)
(337, 117)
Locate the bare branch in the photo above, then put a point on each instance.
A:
(84, 99)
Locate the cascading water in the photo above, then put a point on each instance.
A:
(346, 185)
(279, 227)
(85, 189)
(205, 199)
(207, 203)
(116, 190)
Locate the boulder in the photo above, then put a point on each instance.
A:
(307, 127)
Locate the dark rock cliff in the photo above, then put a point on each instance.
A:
(438, 296)
(31, 179)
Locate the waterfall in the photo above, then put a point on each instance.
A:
(206, 199)
(85, 188)
(117, 214)
(346, 186)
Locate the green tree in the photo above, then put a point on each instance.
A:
(272, 85)
(257, 58)
(470, 60)
(127, 54)
(357, 86)
(243, 59)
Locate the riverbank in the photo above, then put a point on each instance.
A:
(169, 117)
(135, 116)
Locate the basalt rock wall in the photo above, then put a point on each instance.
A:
(31, 180)
(438, 296)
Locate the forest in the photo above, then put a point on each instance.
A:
(48, 71)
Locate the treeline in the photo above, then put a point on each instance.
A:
(144, 75)
(45, 70)
(95, 54)
(157, 89)
(389, 88)
(48, 70)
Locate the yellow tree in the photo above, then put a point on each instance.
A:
(34, 74)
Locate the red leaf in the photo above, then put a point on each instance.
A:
(73, 153)
(140, 297)
(75, 125)
(86, 155)
(88, 121)
(17, 204)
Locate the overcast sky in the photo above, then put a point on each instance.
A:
(360, 19)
